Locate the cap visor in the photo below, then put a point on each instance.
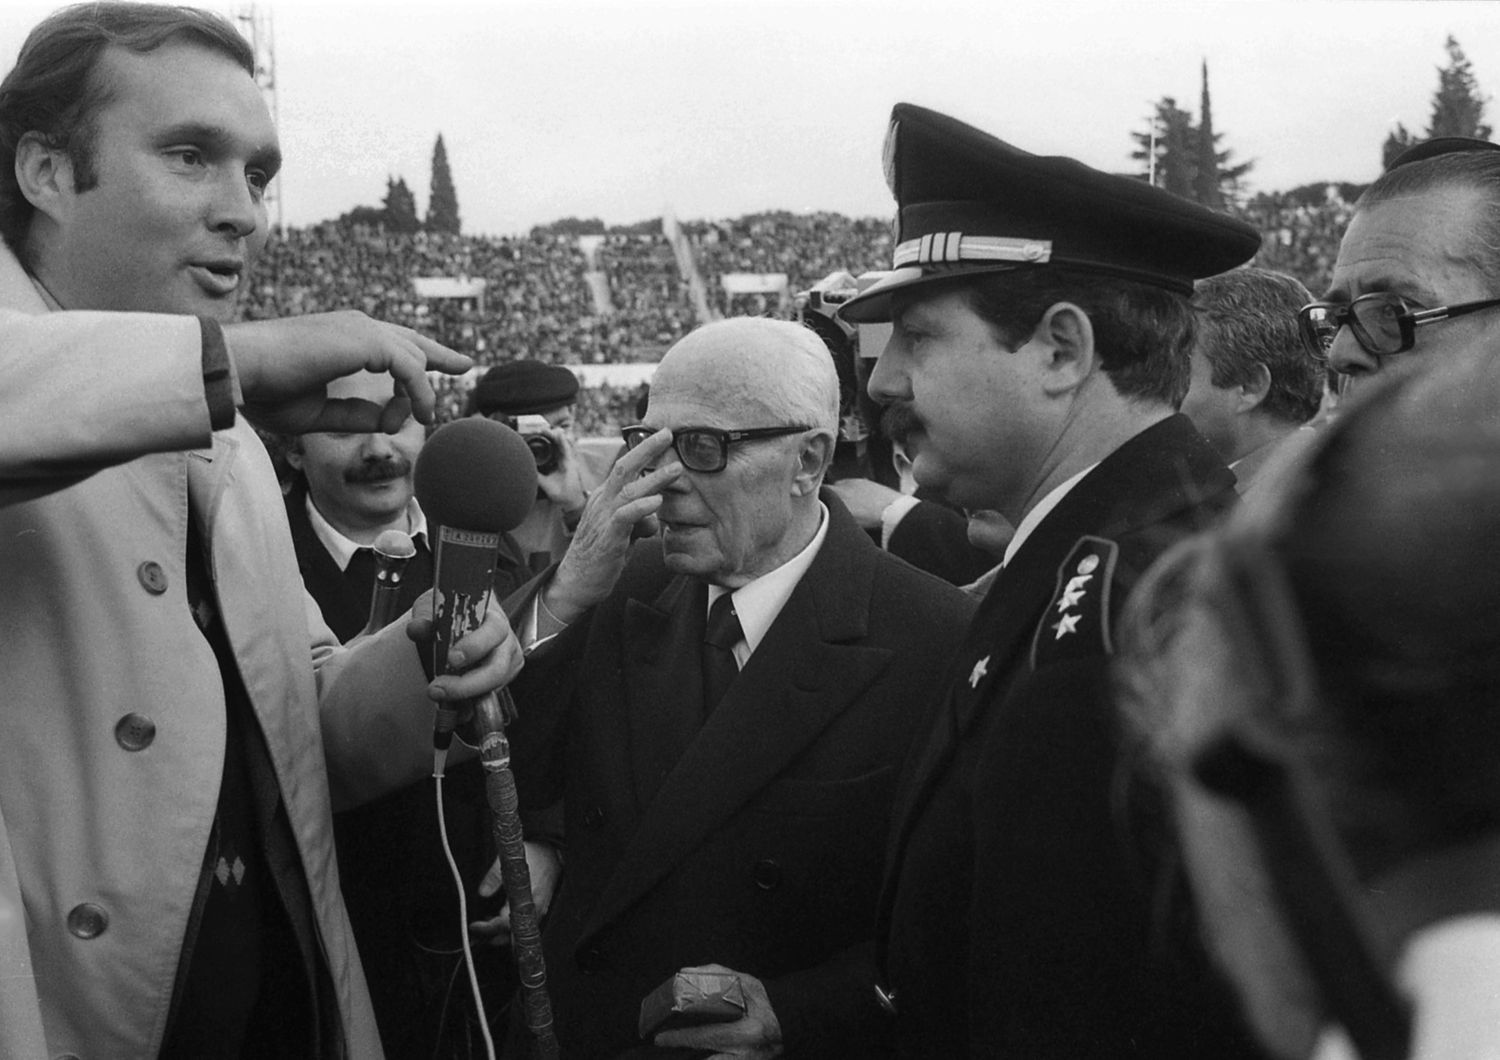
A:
(873, 305)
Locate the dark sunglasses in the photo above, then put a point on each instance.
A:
(1382, 323)
(705, 449)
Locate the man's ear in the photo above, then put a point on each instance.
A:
(1065, 335)
(1253, 393)
(293, 451)
(813, 458)
(45, 174)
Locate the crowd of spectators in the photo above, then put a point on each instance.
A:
(804, 247)
(1300, 237)
(652, 300)
(538, 304)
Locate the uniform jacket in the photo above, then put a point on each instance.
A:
(112, 700)
(755, 841)
(1019, 916)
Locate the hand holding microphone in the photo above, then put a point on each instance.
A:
(475, 479)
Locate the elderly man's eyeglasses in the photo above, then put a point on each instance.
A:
(1382, 322)
(705, 449)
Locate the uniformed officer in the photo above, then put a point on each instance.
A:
(1040, 348)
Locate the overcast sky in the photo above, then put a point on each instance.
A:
(716, 108)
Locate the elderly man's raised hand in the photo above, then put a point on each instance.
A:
(630, 493)
(284, 364)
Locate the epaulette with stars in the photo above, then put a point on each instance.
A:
(1076, 624)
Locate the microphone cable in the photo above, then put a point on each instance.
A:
(463, 908)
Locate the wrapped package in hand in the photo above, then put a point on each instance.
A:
(690, 998)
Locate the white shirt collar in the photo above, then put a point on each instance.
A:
(341, 548)
(757, 603)
(1044, 508)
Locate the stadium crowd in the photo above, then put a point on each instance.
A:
(537, 303)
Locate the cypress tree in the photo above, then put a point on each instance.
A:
(442, 203)
(1206, 172)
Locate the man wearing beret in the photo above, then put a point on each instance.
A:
(535, 389)
(1040, 345)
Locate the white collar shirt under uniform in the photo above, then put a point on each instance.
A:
(1044, 507)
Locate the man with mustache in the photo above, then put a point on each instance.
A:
(347, 489)
(911, 523)
(1041, 331)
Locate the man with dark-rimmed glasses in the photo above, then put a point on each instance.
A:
(1423, 248)
(726, 796)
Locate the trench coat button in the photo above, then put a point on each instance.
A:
(152, 578)
(134, 732)
(87, 921)
(767, 874)
(593, 817)
(887, 998)
(591, 961)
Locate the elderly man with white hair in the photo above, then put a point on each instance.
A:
(723, 709)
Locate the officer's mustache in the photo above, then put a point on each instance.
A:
(378, 470)
(898, 421)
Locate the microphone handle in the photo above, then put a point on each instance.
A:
(463, 575)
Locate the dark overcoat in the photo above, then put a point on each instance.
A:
(754, 838)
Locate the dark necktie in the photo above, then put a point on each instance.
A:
(719, 638)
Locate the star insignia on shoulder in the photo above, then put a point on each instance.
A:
(981, 668)
(1076, 624)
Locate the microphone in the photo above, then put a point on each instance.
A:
(392, 550)
(475, 478)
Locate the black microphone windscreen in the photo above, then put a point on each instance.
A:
(476, 474)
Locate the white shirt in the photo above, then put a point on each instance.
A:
(341, 548)
(757, 603)
(1044, 508)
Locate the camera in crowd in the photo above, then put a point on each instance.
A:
(534, 431)
(861, 451)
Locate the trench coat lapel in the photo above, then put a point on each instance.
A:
(806, 672)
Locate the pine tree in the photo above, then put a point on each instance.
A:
(1457, 106)
(1174, 162)
(1188, 161)
(442, 203)
(400, 207)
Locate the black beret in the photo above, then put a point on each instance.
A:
(969, 203)
(521, 388)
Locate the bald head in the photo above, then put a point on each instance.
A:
(758, 510)
(749, 371)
